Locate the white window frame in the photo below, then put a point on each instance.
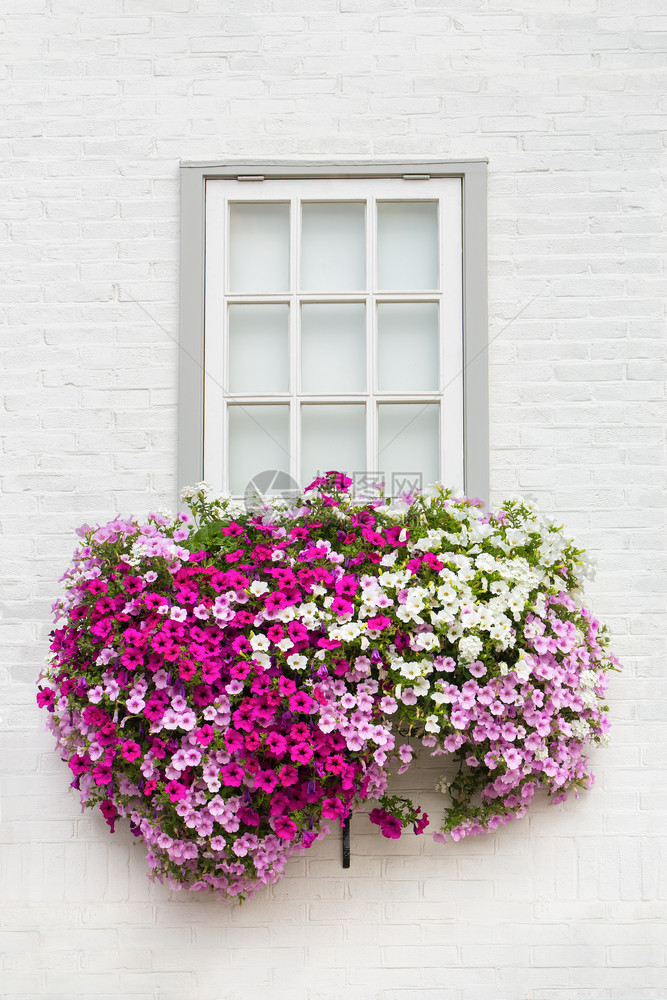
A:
(464, 440)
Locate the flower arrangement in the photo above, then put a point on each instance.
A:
(232, 682)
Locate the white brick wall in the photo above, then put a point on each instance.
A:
(566, 99)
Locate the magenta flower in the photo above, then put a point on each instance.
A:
(301, 702)
(301, 753)
(130, 750)
(45, 698)
(285, 828)
(276, 745)
(288, 775)
(390, 826)
(109, 812)
(266, 780)
(379, 623)
(232, 775)
(175, 790)
(275, 602)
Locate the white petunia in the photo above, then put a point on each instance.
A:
(346, 632)
(287, 614)
(589, 698)
(431, 542)
(410, 670)
(580, 729)
(470, 646)
(408, 614)
(262, 660)
(426, 641)
(259, 643)
(390, 558)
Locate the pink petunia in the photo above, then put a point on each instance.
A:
(285, 828)
(301, 753)
(379, 623)
(288, 775)
(513, 758)
(333, 808)
(301, 702)
(204, 734)
(276, 744)
(45, 698)
(232, 775)
(135, 704)
(130, 750)
(109, 811)
(175, 790)
(266, 781)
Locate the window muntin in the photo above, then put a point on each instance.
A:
(360, 344)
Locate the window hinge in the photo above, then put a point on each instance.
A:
(416, 177)
(250, 177)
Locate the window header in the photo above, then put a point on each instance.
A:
(248, 169)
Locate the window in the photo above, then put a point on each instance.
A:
(334, 319)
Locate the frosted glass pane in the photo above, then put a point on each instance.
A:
(258, 440)
(259, 247)
(333, 249)
(409, 443)
(407, 245)
(332, 437)
(333, 347)
(408, 357)
(258, 348)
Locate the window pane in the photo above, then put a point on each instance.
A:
(407, 245)
(333, 347)
(258, 440)
(333, 250)
(408, 356)
(258, 348)
(333, 436)
(409, 442)
(259, 247)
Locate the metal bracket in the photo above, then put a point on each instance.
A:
(346, 842)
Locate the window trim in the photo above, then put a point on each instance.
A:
(191, 304)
